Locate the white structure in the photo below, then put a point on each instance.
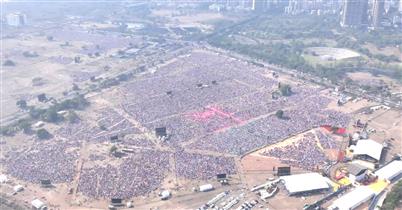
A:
(215, 7)
(206, 187)
(230, 204)
(16, 19)
(352, 199)
(18, 188)
(400, 6)
(390, 171)
(368, 148)
(305, 183)
(129, 204)
(38, 124)
(38, 205)
(165, 195)
(216, 198)
(3, 179)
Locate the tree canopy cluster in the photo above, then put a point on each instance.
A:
(394, 198)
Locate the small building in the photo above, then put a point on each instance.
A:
(356, 136)
(116, 202)
(38, 124)
(165, 195)
(304, 183)
(368, 150)
(3, 178)
(46, 183)
(356, 172)
(16, 19)
(390, 171)
(62, 112)
(206, 187)
(129, 204)
(161, 132)
(38, 205)
(352, 199)
(18, 188)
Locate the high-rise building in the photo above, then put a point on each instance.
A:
(377, 12)
(16, 19)
(294, 7)
(260, 5)
(400, 6)
(354, 13)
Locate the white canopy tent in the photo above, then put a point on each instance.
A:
(390, 171)
(368, 147)
(353, 199)
(304, 183)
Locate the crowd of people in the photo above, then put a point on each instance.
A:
(138, 142)
(53, 161)
(309, 113)
(326, 141)
(245, 98)
(200, 166)
(303, 154)
(221, 104)
(191, 84)
(109, 124)
(139, 174)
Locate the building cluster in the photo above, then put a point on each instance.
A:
(371, 13)
(279, 6)
(353, 13)
(16, 19)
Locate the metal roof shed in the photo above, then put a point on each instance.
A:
(390, 171)
(353, 199)
(368, 147)
(38, 204)
(300, 183)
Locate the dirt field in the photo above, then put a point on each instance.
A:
(367, 78)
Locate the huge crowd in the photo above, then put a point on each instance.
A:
(326, 141)
(303, 154)
(139, 174)
(200, 166)
(195, 98)
(54, 161)
(307, 114)
(192, 84)
(109, 123)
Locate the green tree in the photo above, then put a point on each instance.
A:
(394, 198)
(279, 114)
(42, 97)
(35, 113)
(7, 130)
(51, 115)
(43, 134)
(72, 117)
(8, 63)
(285, 89)
(25, 126)
(75, 87)
(113, 149)
(22, 104)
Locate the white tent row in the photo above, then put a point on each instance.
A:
(390, 171)
(352, 199)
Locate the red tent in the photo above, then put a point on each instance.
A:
(340, 131)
